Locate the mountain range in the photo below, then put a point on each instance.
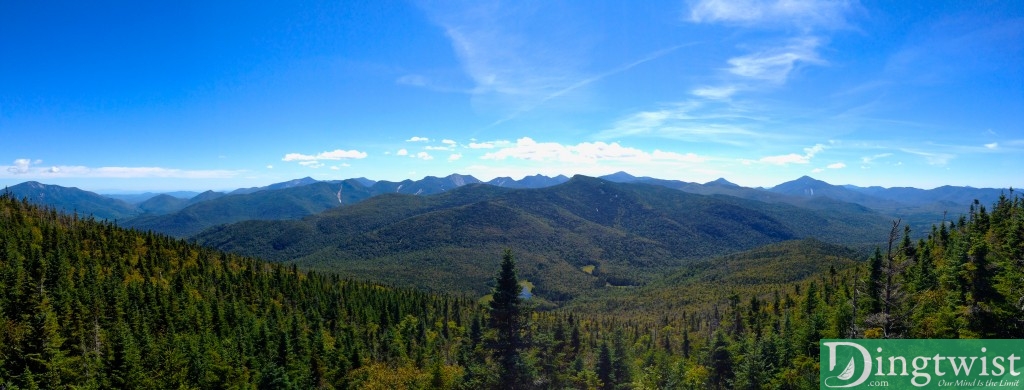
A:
(572, 239)
(142, 210)
(575, 236)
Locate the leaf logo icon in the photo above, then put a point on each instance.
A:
(848, 372)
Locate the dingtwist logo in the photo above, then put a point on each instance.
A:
(847, 373)
(912, 364)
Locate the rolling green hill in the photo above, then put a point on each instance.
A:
(625, 234)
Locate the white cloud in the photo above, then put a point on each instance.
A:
(811, 151)
(992, 146)
(402, 152)
(24, 168)
(804, 14)
(438, 148)
(786, 159)
(270, 167)
(337, 154)
(774, 65)
(418, 139)
(690, 121)
(837, 165)
(817, 170)
(20, 166)
(423, 156)
(584, 153)
(937, 159)
(717, 93)
(794, 158)
(448, 142)
(871, 159)
(454, 156)
(672, 156)
(488, 144)
(315, 161)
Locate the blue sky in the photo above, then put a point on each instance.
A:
(133, 96)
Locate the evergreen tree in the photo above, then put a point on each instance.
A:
(606, 367)
(507, 322)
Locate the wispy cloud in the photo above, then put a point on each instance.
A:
(794, 158)
(586, 81)
(513, 69)
(775, 64)
(584, 153)
(933, 158)
(717, 93)
(25, 168)
(418, 139)
(719, 113)
(872, 158)
(498, 56)
(837, 165)
(488, 144)
(691, 121)
(336, 154)
(803, 14)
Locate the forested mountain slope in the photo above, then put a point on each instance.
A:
(90, 305)
(70, 200)
(702, 285)
(284, 203)
(571, 238)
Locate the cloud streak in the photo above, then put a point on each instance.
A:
(336, 154)
(803, 14)
(774, 65)
(690, 121)
(585, 153)
(794, 158)
(584, 82)
(24, 168)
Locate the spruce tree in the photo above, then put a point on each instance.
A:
(506, 321)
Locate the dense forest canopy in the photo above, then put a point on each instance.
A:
(87, 304)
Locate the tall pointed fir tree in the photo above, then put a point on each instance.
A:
(507, 321)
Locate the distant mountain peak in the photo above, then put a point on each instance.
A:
(808, 179)
(619, 177)
(460, 180)
(721, 182)
(803, 181)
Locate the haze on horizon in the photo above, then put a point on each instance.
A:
(194, 96)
